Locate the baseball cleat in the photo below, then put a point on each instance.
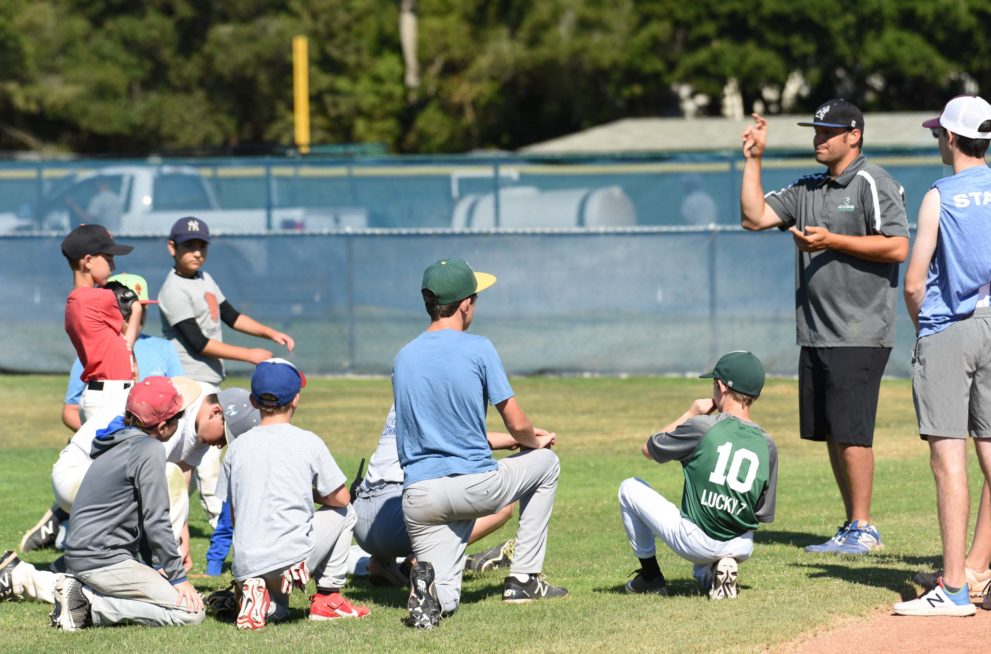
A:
(861, 538)
(387, 573)
(500, 556)
(43, 534)
(833, 544)
(938, 602)
(7, 565)
(641, 585)
(71, 612)
(255, 604)
(724, 574)
(535, 588)
(424, 607)
(978, 582)
(335, 606)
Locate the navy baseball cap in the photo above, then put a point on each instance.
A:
(741, 371)
(275, 383)
(188, 228)
(91, 239)
(837, 113)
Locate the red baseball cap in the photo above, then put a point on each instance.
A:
(156, 399)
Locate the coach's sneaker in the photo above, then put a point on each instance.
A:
(43, 534)
(424, 607)
(723, 584)
(938, 602)
(255, 604)
(71, 611)
(7, 565)
(335, 606)
(861, 538)
(534, 588)
(978, 582)
(500, 556)
(833, 544)
(641, 585)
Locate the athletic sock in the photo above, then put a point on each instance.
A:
(522, 578)
(326, 590)
(649, 568)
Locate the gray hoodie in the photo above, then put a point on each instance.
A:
(121, 511)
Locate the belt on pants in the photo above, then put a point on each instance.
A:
(108, 385)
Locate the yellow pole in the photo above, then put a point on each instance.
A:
(301, 92)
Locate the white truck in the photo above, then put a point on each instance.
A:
(147, 199)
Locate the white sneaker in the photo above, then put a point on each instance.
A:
(724, 573)
(938, 602)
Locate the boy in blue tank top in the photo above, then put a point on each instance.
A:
(947, 286)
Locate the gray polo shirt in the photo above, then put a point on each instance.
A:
(199, 297)
(842, 300)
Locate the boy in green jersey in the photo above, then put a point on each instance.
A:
(731, 472)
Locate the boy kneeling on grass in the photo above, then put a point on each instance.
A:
(731, 472)
(271, 476)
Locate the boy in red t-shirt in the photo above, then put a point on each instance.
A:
(93, 320)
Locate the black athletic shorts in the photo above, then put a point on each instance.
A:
(837, 392)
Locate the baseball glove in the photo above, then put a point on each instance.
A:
(224, 604)
(125, 297)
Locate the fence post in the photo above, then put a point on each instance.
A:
(349, 264)
(268, 193)
(713, 303)
(495, 185)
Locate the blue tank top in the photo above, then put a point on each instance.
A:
(960, 272)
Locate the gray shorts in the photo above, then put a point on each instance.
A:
(951, 379)
(381, 530)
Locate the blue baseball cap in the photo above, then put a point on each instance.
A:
(275, 383)
(188, 228)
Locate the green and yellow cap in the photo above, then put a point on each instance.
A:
(136, 283)
(452, 280)
(741, 371)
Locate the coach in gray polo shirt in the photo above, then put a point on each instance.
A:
(848, 223)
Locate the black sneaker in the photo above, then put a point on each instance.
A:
(724, 573)
(515, 591)
(500, 556)
(639, 584)
(424, 607)
(71, 611)
(7, 565)
(43, 534)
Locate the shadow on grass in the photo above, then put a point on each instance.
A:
(360, 590)
(897, 580)
(676, 588)
(799, 539)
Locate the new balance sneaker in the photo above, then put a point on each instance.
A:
(640, 585)
(833, 544)
(71, 611)
(43, 534)
(424, 607)
(255, 604)
(938, 602)
(500, 556)
(861, 538)
(7, 565)
(334, 606)
(978, 582)
(536, 587)
(724, 573)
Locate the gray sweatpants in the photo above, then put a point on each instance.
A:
(440, 514)
(328, 564)
(130, 592)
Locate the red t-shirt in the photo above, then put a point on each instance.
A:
(93, 323)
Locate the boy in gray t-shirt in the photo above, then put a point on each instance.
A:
(271, 476)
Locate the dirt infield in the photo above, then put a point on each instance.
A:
(886, 633)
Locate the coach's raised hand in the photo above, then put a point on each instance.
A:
(755, 138)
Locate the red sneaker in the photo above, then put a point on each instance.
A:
(334, 606)
(255, 603)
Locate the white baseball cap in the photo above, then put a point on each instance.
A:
(963, 115)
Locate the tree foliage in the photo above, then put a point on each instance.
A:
(120, 77)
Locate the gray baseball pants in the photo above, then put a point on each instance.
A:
(130, 592)
(440, 514)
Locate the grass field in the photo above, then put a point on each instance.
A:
(601, 424)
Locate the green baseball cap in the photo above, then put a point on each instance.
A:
(741, 371)
(136, 283)
(452, 280)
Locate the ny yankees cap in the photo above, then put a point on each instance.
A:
(136, 283)
(741, 371)
(91, 239)
(239, 415)
(156, 399)
(452, 280)
(963, 115)
(276, 382)
(837, 113)
(188, 228)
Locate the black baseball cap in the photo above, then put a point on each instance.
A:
(837, 113)
(741, 371)
(188, 228)
(91, 239)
